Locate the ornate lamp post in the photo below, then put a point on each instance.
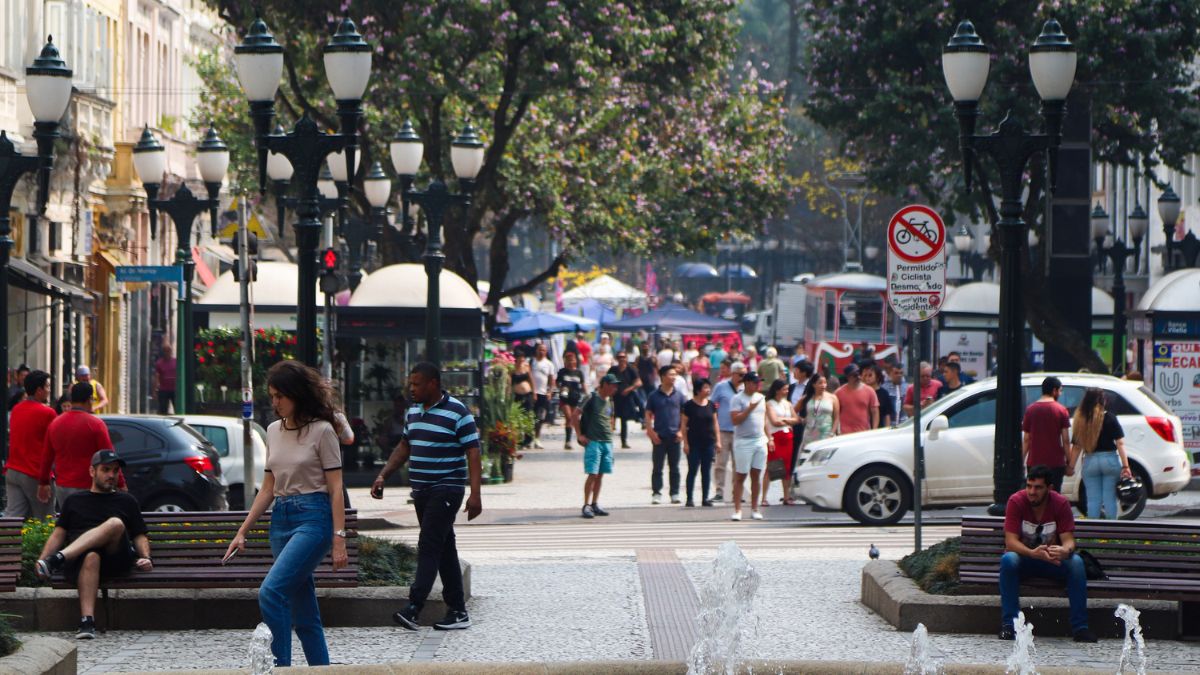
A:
(48, 89)
(259, 60)
(466, 156)
(1168, 209)
(150, 162)
(965, 63)
(1118, 252)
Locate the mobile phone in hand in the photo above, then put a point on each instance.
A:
(377, 492)
(229, 556)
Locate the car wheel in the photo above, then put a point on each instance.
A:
(1123, 512)
(878, 495)
(170, 504)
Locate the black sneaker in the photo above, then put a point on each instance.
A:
(598, 511)
(689, 503)
(588, 512)
(407, 617)
(1085, 635)
(706, 502)
(454, 620)
(1007, 633)
(45, 568)
(720, 499)
(87, 628)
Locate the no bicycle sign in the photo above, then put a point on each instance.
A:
(916, 238)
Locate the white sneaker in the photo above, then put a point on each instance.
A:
(737, 515)
(656, 499)
(538, 444)
(756, 515)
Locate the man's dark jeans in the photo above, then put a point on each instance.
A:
(437, 553)
(667, 451)
(165, 399)
(1015, 567)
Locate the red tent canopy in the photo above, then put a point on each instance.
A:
(728, 296)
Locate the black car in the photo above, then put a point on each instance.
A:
(169, 466)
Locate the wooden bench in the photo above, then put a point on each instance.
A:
(10, 553)
(1143, 559)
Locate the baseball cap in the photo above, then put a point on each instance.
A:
(83, 371)
(752, 377)
(851, 369)
(610, 379)
(737, 367)
(106, 457)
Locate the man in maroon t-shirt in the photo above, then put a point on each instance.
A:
(1047, 427)
(1039, 541)
(71, 440)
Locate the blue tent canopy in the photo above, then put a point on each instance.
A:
(590, 308)
(537, 324)
(673, 319)
(739, 271)
(696, 270)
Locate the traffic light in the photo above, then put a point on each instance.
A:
(330, 283)
(252, 246)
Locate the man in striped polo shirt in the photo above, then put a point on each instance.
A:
(441, 445)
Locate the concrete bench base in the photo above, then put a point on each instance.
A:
(45, 609)
(900, 602)
(40, 655)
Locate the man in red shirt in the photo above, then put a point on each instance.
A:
(1047, 429)
(859, 403)
(1039, 541)
(929, 390)
(71, 440)
(27, 444)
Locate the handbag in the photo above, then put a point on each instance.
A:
(1091, 566)
(776, 469)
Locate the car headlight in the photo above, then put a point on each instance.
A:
(822, 456)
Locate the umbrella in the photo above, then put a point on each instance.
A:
(696, 271)
(728, 296)
(593, 309)
(581, 322)
(739, 271)
(536, 324)
(673, 319)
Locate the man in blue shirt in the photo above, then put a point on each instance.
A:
(441, 444)
(722, 395)
(663, 411)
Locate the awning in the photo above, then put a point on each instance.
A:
(25, 275)
(202, 270)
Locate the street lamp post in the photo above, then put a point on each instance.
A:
(466, 156)
(845, 185)
(965, 63)
(1168, 209)
(259, 60)
(1118, 252)
(150, 162)
(48, 89)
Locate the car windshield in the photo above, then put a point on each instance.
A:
(179, 425)
(936, 408)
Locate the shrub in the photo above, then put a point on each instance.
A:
(34, 534)
(934, 569)
(385, 563)
(9, 642)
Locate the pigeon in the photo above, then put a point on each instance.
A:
(873, 552)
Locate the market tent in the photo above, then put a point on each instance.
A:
(537, 324)
(591, 309)
(728, 296)
(673, 319)
(607, 290)
(694, 270)
(739, 271)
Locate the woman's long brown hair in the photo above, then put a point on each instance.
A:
(311, 396)
(1089, 418)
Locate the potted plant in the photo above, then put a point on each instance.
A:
(504, 423)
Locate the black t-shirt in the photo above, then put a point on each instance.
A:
(700, 423)
(647, 366)
(887, 407)
(83, 511)
(570, 385)
(946, 389)
(628, 377)
(1110, 431)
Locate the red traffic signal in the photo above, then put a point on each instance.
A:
(329, 261)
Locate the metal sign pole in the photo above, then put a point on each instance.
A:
(918, 437)
(248, 469)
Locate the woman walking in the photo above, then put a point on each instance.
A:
(1098, 435)
(701, 440)
(571, 388)
(780, 418)
(522, 386)
(303, 487)
(821, 411)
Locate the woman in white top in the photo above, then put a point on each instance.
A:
(780, 419)
(602, 357)
(303, 487)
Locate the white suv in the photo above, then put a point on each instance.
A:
(226, 434)
(869, 474)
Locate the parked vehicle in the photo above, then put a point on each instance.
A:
(225, 433)
(869, 474)
(169, 465)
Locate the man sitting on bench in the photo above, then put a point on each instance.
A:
(1039, 541)
(104, 534)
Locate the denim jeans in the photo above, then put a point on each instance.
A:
(437, 552)
(1101, 471)
(700, 461)
(1015, 567)
(301, 535)
(665, 452)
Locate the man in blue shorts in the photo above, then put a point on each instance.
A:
(594, 426)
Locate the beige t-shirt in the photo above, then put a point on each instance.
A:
(299, 459)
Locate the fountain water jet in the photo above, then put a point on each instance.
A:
(262, 661)
(1021, 659)
(725, 600)
(921, 661)
(1133, 636)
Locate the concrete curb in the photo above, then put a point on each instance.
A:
(47, 609)
(900, 602)
(40, 655)
(649, 668)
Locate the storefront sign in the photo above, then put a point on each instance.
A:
(1177, 382)
(971, 346)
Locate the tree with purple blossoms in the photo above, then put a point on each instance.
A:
(875, 79)
(607, 123)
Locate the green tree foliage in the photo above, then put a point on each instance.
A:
(609, 123)
(875, 79)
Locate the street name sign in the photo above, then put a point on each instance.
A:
(916, 273)
(149, 273)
